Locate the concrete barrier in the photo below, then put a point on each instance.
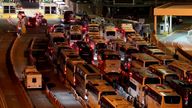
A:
(52, 98)
(30, 105)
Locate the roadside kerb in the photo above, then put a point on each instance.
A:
(2, 100)
(16, 75)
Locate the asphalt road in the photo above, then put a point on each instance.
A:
(11, 92)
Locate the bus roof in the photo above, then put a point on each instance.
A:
(143, 72)
(117, 40)
(75, 61)
(162, 57)
(144, 56)
(93, 24)
(182, 65)
(162, 68)
(56, 35)
(159, 87)
(90, 68)
(183, 84)
(110, 28)
(68, 52)
(103, 88)
(128, 45)
(156, 50)
(98, 82)
(98, 40)
(118, 101)
(107, 52)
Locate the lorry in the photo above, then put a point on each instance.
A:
(32, 78)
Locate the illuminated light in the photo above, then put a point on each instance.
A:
(28, 23)
(186, 98)
(80, 49)
(101, 62)
(128, 65)
(130, 74)
(62, 20)
(84, 28)
(189, 79)
(106, 56)
(65, 71)
(74, 80)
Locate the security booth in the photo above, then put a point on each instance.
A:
(168, 12)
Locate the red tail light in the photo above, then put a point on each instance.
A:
(74, 81)
(80, 49)
(189, 79)
(186, 98)
(130, 74)
(65, 70)
(129, 65)
(84, 28)
(116, 28)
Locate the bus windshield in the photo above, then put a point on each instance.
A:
(172, 99)
(108, 93)
(101, 46)
(170, 77)
(152, 81)
(76, 37)
(151, 63)
(59, 39)
(94, 77)
(110, 33)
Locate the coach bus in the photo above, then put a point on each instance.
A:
(138, 80)
(64, 55)
(84, 73)
(96, 89)
(126, 49)
(70, 67)
(164, 73)
(182, 68)
(143, 60)
(160, 55)
(184, 89)
(114, 101)
(110, 64)
(161, 96)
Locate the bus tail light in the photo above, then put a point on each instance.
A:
(28, 23)
(116, 29)
(65, 71)
(130, 74)
(186, 100)
(189, 79)
(84, 28)
(74, 81)
(128, 65)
